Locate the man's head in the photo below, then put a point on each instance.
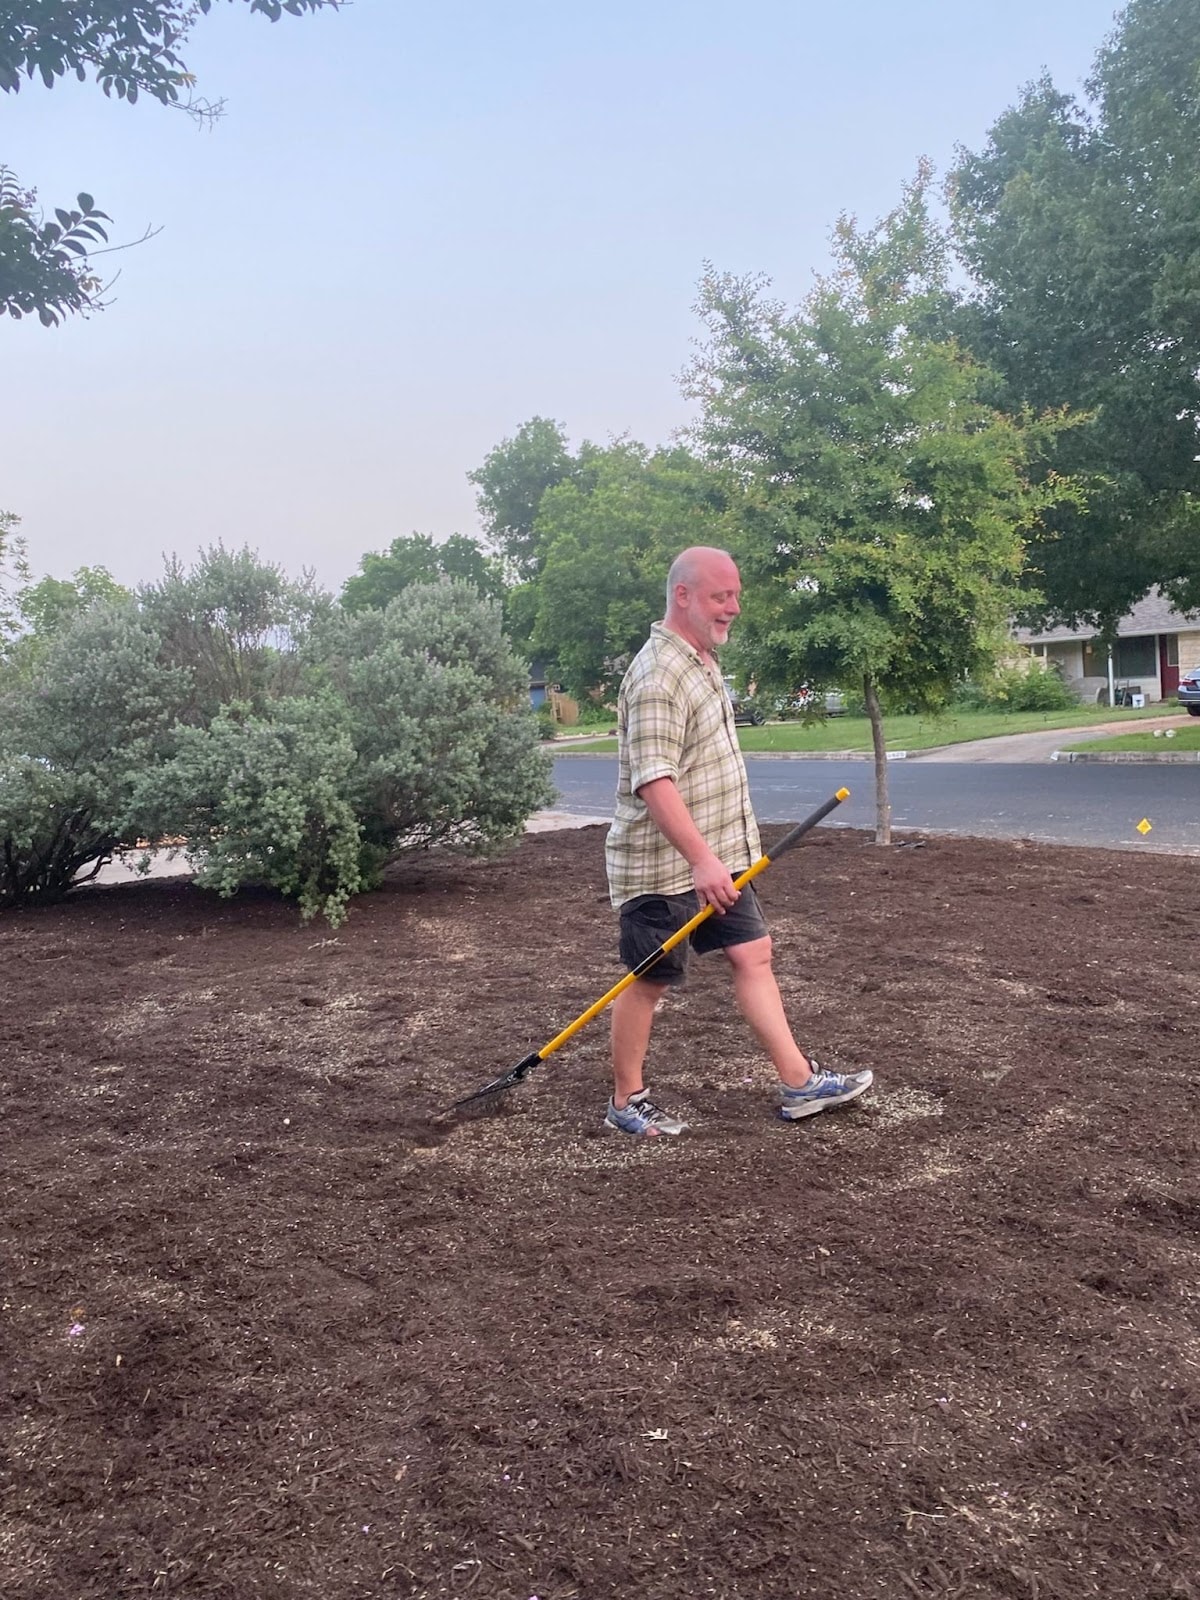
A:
(703, 588)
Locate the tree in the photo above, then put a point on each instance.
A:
(886, 501)
(418, 559)
(45, 608)
(1081, 226)
(14, 575)
(511, 483)
(132, 47)
(608, 536)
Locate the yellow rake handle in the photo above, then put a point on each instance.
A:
(764, 861)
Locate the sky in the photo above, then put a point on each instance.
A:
(417, 225)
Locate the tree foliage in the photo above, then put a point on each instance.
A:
(886, 501)
(511, 483)
(42, 610)
(608, 535)
(14, 576)
(44, 266)
(131, 48)
(1081, 226)
(419, 559)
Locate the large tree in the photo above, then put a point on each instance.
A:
(886, 501)
(131, 48)
(608, 537)
(510, 485)
(418, 558)
(1081, 226)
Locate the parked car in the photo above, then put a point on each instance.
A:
(1189, 692)
(807, 702)
(746, 711)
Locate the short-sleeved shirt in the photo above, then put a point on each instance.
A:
(675, 720)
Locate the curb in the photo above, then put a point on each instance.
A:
(1128, 757)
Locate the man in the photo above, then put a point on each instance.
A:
(683, 829)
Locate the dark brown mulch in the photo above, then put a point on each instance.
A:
(269, 1329)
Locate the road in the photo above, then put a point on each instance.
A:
(1060, 803)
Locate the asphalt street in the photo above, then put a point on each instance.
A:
(1094, 804)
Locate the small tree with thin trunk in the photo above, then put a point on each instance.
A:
(886, 502)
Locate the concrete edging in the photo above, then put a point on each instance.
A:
(1128, 757)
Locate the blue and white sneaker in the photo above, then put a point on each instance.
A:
(823, 1089)
(641, 1117)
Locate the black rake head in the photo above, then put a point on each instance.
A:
(498, 1086)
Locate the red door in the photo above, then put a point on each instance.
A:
(1168, 663)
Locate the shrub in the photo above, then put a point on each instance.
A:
(436, 704)
(74, 743)
(1019, 688)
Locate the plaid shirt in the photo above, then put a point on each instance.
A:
(675, 720)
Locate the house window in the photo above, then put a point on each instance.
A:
(1132, 658)
(1172, 649)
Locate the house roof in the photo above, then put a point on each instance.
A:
(1153, 613)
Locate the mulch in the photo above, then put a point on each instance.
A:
(272, 1327)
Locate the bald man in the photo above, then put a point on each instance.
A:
(683, 830)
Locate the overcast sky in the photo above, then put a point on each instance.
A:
(418, 225)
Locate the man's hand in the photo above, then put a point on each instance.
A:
(714, 884)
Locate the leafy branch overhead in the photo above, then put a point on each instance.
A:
(131, 48)
(43, 264)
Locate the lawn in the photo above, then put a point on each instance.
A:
(912, 732)
(1180, 739)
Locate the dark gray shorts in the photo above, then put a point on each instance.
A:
(648, 919)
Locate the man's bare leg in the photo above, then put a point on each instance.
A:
(632, 1019)
(760, 1002)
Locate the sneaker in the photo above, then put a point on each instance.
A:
(823, 1089)
(642, 1117)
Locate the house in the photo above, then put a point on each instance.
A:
(544, 692)
(1154, 644)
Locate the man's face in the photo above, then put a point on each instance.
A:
(709, 605)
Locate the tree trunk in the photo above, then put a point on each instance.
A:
(883, 806)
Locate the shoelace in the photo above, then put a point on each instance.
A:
(648, 1110)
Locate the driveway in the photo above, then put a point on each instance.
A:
(1010, 747)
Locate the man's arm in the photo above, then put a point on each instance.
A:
(713, 880)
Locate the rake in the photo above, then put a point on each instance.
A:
(518, 1073)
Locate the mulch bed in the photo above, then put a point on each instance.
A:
(270, 1328)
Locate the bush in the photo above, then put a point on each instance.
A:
(289, 742)
(74, 742)
(265, 799)
(437, 706)
(1019, 688)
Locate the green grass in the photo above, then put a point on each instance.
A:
(919, 733)
(1185, 739)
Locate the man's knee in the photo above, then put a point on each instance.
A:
(751, 956)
